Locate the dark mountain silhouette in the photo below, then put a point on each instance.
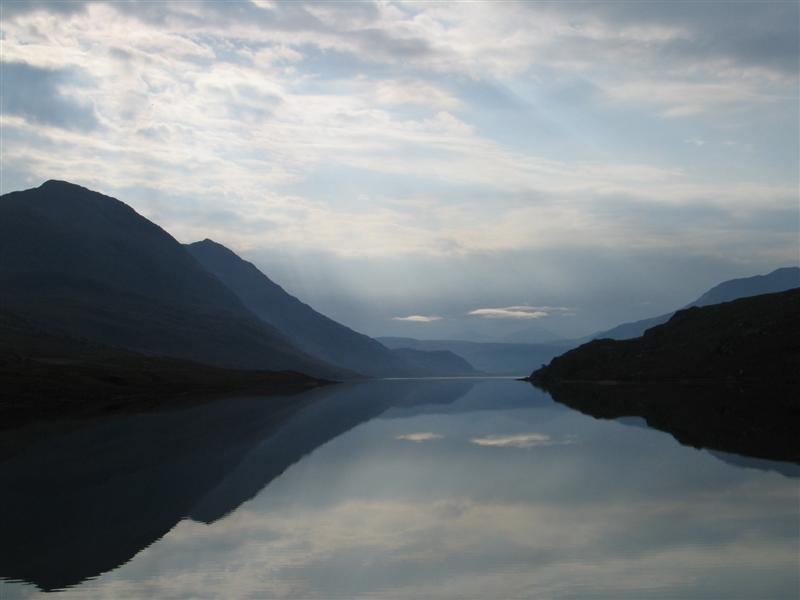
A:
(750, 339)
(83, 264)
(778, 280)
(489, 357)
(312, 332)
(52, 376)
(83, 501)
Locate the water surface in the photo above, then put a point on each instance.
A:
(393, 489)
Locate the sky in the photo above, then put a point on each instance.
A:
(470, 170)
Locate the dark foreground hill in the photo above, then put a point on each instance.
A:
(778, 280)
(47, 375)
(86, 265)
(753, 339)
(312, 332)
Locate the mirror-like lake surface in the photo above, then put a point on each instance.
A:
(392, 489)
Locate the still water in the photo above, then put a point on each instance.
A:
(392, 489)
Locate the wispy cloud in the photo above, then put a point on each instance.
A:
(520, 312)
(695, 142)
(419, 437)
(418, 318)
(523, 440)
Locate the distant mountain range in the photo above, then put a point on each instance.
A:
(496, 358)
(531, 334)
(778, 280)
(78, 263)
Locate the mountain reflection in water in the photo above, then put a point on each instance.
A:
(415, 489)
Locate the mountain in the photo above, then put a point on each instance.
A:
(311, 331)
(779, 280)
(489, 357)
(83, 264)
(750, 339)
(434, 362)
(532, 334)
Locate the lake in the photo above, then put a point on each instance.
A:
(391, 489)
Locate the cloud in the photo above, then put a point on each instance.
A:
(414, 91)
(58, 7)
(41, 96)
(684, 98)
(762, 34)
(695, 142)
(418, 318)
(523, 440)
(400, 133)
(419, 437)
(520, 312)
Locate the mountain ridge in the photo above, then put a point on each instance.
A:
(310, 330)
(778, 280)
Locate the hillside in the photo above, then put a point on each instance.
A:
(311, 331)
(750, 339)
(83, 264)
